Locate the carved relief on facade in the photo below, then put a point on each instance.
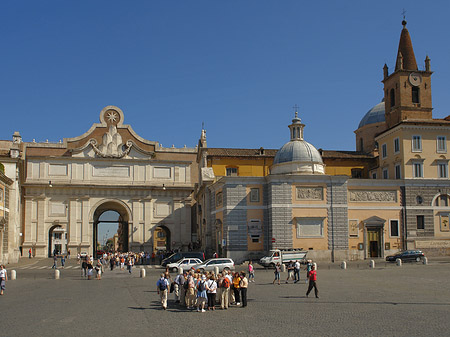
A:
(309, 193)
(373, 196)
(112, 145)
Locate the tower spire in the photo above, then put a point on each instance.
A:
(406, 60)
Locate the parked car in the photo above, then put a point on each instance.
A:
(185, 263)
(178, 256)
(83, 254)
(407, 255)
(221, 262)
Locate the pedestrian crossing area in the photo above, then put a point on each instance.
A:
(45, 267)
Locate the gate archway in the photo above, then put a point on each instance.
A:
(111, 212)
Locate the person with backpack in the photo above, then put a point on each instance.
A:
(225, 293)
(162, 287)
(201, 294)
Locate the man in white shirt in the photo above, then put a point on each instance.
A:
(297, 271)
(3, 278)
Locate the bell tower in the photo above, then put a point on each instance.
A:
(407, 91)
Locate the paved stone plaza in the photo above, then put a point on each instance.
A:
(412, 300)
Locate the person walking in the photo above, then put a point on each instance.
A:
(308, 269)
(63, 261)
(55, 262)
(312, 276)
(243, 285)
(190, 292)
(251, 272)
(290, 269)
(3, 279)
(177, 286)
(297, 271)
(84, 267)
(29, 253)
(277, 273)
(162, 287)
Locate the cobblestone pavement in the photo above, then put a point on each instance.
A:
(412, 300)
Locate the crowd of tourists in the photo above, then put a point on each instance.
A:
(204, 291)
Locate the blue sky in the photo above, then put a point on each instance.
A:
(237, 66)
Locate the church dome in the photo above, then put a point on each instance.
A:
(297, 156)
(374, 115)
(297, 150)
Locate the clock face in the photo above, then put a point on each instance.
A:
(415, 79)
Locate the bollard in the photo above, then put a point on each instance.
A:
(399, 262)
(57, 274)
(425, 260)
(372, 264)
(344, 265)
(13, 274)
(283, 268)
(315, 265)
(180, 271)
(142, 273)
(216, 271)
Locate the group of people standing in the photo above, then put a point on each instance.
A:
(204, 291)
(293, 269)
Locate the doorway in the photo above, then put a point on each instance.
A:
(161, 237)
(374, 239)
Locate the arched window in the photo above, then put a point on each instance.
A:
(415, 95)
(392, 98)
(442, 200)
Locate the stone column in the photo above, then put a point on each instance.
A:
(147, 235)
(135, 237)
(73, 239)
(27, 235)
(41, 208)
(85, 230)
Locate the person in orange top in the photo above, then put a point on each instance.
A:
(312, 282)
(236, 288)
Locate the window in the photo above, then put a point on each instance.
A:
(443, 170)
(232, 171)
(392, 97)
(374, 175)
(219, 199)
(58, 236)
(394, 228)
(398, 172)
(254, 195)
(420, 222)
(418, 170)
(442, 201)
(385, 173)
(441, 144)
(384, 151)
(415, 95)
(396, 145)
(309, 227)
(357, 173)
(416, 143)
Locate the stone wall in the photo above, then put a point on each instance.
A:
(337, 214)
(235, 216)
(280, 215)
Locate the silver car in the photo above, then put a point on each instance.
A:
(223, 263)
(185, 263)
